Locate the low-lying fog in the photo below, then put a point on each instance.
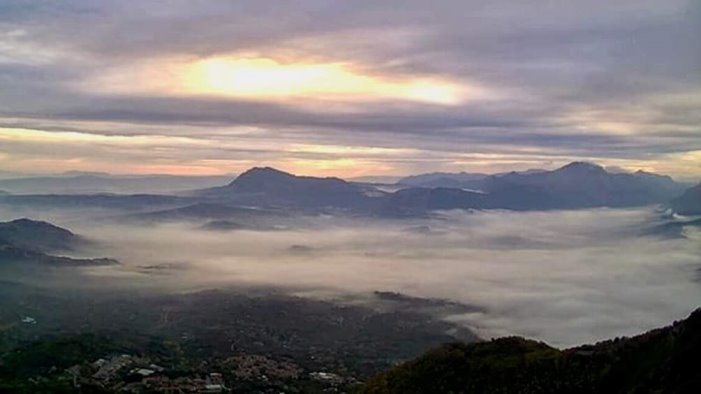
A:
(566, 277)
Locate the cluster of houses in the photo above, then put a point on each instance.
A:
(126, 373)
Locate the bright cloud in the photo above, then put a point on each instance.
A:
(267, 79)
(507, 84)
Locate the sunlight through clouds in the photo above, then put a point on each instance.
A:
(267, 79)
(469, 86)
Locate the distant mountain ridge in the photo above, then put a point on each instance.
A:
(88, 182)
(270, 186)
(460, 180)
(578, 185)
(443, 179)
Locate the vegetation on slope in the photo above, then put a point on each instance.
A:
(661, 361)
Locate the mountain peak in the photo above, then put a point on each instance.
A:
(264, 171)
(262, 174)
(26, 223)
(582, 166)
(37, 235)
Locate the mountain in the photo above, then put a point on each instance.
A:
(661, 361)
(576, 185)
(31, 241)
(688, 203)
(444, 179)
(38, 236)
(460, 180)
(265, 186)
(387, 180)
(91, 183)
(584, 185)
(135, 202)
(416, 201)
(12, 253)
(206, 210)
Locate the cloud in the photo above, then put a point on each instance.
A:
(616, 83)
(566, 277)
(267, 79)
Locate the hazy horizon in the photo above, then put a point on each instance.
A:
(380, 178)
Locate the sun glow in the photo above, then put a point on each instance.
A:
(265, 79)
(262, 78)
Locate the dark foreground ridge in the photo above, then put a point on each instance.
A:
(661, 361)
(29, 241)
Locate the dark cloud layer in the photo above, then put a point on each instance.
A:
(616, 82)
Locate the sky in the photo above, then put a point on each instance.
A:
(349, 88)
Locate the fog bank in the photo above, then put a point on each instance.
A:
(566, 277)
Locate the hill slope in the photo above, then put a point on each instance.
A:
(688, 203)
(576, 185)
(30, 241)
(661, 361)
(38, 236)
(265, 186)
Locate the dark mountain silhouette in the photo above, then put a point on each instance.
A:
(267, 186)
(688, 203)
(13, 254)
(31, 241)
(38, 236)
(576, 185)
(459, 180)
(582, 185)
(444, 179)
(415, 201)
(661, 361)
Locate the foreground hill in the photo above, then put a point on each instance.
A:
(259, 341)
(661, 361)
(30, 241)
(38, 236)
(10, 253)
(688, 203)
